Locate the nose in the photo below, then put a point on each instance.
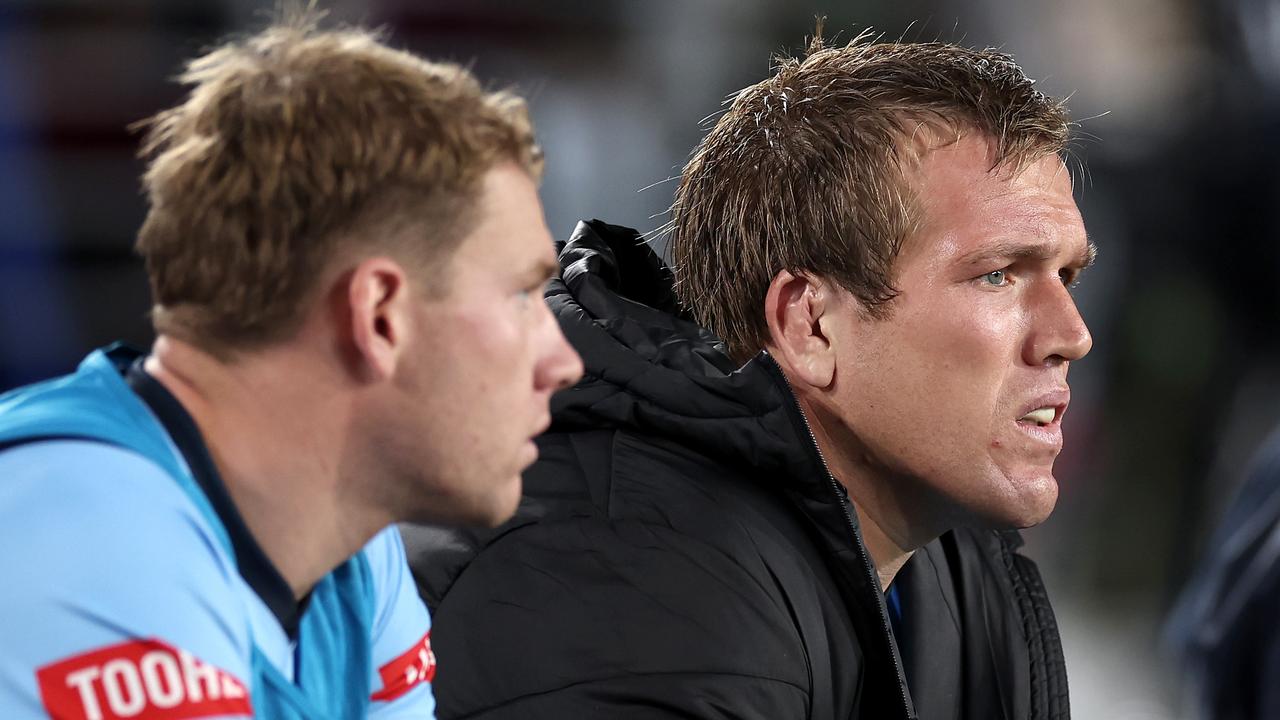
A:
(1058, 332)
(560, 365)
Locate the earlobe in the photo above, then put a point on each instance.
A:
(376, 299)
(796, 309)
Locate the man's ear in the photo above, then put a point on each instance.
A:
(796, 309)
(377, 304)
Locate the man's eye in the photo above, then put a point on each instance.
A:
(996, 278)
(531, 292)
(1070, 278)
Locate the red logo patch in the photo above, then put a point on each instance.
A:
(417, 665)
(140, 680)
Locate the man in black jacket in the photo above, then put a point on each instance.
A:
(786, 486)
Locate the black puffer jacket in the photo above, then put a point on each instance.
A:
(683, 552)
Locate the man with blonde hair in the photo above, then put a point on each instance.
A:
(346, 253)
(787, 486)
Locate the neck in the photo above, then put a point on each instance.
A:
(275, 437)
(891, 528)
(888, 554)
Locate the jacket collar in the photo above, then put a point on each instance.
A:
(650, 368)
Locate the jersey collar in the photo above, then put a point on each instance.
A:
(254, 565)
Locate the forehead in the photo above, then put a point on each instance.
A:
(508, 234)
(963, 204)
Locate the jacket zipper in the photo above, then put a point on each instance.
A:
(842, 497)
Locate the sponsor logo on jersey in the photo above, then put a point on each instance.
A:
(139, 680)
(417, 665)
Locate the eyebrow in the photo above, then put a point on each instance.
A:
(1015, 251)
(546, 269)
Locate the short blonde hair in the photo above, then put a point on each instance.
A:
(294, 142)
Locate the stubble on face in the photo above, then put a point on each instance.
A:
(476, 391)
(933, 400)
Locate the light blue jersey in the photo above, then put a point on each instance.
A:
(132, 589)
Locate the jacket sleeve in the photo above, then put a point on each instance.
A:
(587, 617)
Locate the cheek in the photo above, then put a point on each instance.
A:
(981, 331)
(941, 370)
(974, 348)
(490, 332)
(490, 350)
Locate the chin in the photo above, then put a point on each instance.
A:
(1019, 502)
(502, 504)
(1033, 502)
(488, 505)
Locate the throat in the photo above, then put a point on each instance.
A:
(887, 555)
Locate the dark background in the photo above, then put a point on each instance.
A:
(1175, 173)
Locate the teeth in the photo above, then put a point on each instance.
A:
(1040, 416)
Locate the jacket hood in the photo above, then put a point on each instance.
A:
(648, 367)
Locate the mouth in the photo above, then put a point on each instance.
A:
(540, 428)
(1046, 409)
(1043, 416)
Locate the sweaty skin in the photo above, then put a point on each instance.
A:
(935, 417)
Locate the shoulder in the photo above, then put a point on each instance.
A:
(585, 601)
(629, 475)
(397, 609)
(385, 555)
(606, 480)
(678, 583)
(617, 499)
(99, 509)
(635, 564)
(107, 558)
(402, 662)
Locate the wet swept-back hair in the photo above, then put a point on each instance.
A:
(804, 171)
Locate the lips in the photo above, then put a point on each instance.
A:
(1040, 422)
(541, 427)
(1040, 416)
(1047, 409)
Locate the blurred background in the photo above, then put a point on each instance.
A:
(1175, 173)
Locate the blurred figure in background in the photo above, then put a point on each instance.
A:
(1226, 629)
(787, 486)
(346, 253)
